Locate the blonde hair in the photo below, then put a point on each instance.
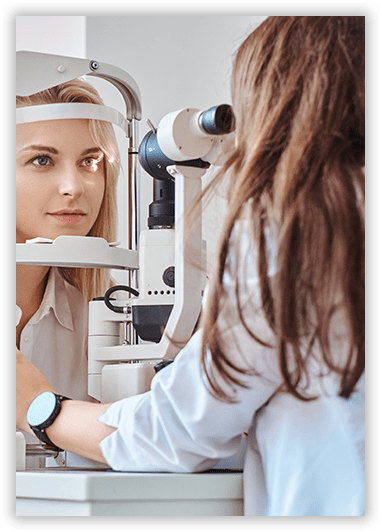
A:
(92, 282)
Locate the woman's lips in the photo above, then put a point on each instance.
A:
(68, 217)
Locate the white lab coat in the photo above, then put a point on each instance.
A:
(302, 458)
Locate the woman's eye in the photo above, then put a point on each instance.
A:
(41, 160)
(91, 163)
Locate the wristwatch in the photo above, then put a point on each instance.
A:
(42, 412)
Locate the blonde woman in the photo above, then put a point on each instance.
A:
(281, 352)
(66, 175)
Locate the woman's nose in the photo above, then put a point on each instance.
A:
(70, 183)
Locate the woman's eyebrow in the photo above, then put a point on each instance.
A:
(39, 147)
(54, 151)
(91, 150)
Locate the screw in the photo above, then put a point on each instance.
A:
(94, 65)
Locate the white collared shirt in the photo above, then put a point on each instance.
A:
(55, 338)
(55, 341)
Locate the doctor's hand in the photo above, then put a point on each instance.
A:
(30, 382)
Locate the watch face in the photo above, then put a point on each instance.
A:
(41, 408)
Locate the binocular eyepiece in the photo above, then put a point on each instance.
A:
(217, 120)
(183, 138)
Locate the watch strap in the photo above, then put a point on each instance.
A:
(40, 431)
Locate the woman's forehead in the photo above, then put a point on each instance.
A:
(62, 135)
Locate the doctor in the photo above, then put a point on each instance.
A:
(280, 353)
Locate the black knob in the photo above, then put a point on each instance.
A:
(163, 364)
(169, 276)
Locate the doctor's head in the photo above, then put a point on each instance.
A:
(297, 173)
(66, 178)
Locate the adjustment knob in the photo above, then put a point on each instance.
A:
(169, 276)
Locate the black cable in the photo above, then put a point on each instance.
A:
(115, 289)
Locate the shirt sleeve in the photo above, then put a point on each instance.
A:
(179, 425)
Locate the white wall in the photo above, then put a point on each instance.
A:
(176, 60)
(61, 35)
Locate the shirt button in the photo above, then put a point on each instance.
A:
(27, 339)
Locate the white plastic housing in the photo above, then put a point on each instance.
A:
(126, 380)
(105, 356)
(20, 451)
(157, 253)
(180, 138)
(76, 251)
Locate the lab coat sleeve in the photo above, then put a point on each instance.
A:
(179, 426)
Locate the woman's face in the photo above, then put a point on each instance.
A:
(60, 179)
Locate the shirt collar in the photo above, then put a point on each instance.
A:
(55, 298)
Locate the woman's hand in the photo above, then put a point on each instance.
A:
(30, 382)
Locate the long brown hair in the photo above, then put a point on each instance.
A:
(92, 282)
(298, 91)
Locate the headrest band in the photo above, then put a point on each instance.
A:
(62, 111)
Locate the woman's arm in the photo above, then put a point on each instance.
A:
(177, 426)
(76, 428)
(85, 432)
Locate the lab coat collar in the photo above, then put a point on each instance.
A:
(55, 298)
